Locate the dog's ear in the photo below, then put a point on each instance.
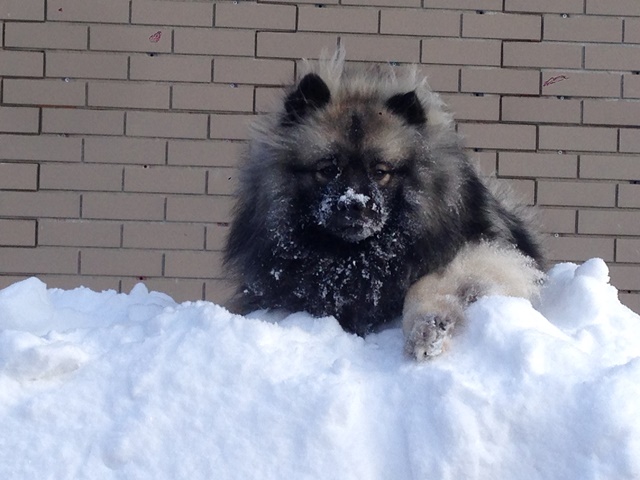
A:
(311, 94)
(408, 106)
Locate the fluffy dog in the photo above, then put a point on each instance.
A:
(357, 200)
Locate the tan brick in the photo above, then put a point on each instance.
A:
(22, 10)
(557, 220)
(441, 78)
(525, 164)
(36, 261)
(167, 124)
(579, 249)
(582, 28)
(472, 107)
(253, 71)
(420, 22)
(68, 282)
(630, 300)
(612, 57)
(180, 289)
(19, 119)
(114, 261)
(21, 64)
(128, 95)
(216, 237)
(17, 233)
(545, 54)
(230, 126)
(629, 140)
(501, 25)
(222, 181)
(78, 233)
(608, 222)
(217, 41)
(86, 65)
(625, 277)
(230, 98)
(631, 86)
(303, 1)
(294, 45)
(151, 235)
(204, 153)
(55, 176)
(130, 38)
(492, 80)
(18, 176)
(174, 68)
(382, 48)
(492, 135)
(123, 206)
(628, 250)
(544, 6)
(113, 11)
(268, 100)
(572, 83)
(629, 195)
(596, 139)
(486, 162)
(576, 194)
(192, 264)
(524, 191)
(540, 110)
(196, 208)
(100, 122)
(44, 92)
(219, 290)
(255, 15)
(164, 180)
(39, 204)
(612, 112)
(613, 7)
(631, 33)
(41, 147)
(337, 19)
(611, 167)
(465, 4)
(143, 151)
(453, 51)
(46, 35)
(172, 13)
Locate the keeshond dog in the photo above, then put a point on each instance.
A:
(356, 200)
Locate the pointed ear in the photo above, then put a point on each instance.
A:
(408, 106)
(311, 94)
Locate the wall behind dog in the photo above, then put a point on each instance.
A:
(121, 121)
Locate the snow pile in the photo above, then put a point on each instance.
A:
(106, 385)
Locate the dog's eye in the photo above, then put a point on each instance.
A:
(326, 173)
(382, 173)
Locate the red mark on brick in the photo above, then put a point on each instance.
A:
(556, 79)
(155, 38)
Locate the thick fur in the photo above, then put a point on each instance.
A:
(354, 190)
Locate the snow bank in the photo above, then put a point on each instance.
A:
(106, 385)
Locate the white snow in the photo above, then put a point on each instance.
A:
(135, 386)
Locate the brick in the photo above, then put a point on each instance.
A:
(572, 83)
(545, 6)
(596, 139)
(152, 235)
(21, 10)
(219, 291)
(44, 92)
(253, 71)
(113, 11)
(207, 41)
(631, 33)
(490, 80)
(222, 181)
(337, 19)
(629, 195)
(45, 35)
(557, 220)
(472, 107)
(268, 100)
(501, 25)
(453, 51)
(68, 282)
(129, 38)
(123, 206)
(180, 289)
(328, 2)
(382, 48)
(612, 57)
(582, 28)
(164, 180)
(465, 4)
(192, 264)
(100, 122)
(72, 177)
(628, 250)
(610, 167)
(255, 15)
(172, 13)
(216, 237)
(579, 249)
(629, 140)
(230, 126)
(612, 112)
(524, 191)
(535, 165)
(204, 153)
(78, 233)
(113, 261)
(174, 68)
(230, 98)
(540, 110)
(36, 261)
(441, 78)
(294, 45)
(613, 7)
(625, 277)
(576, 194)
(17, 233)
(86, 65)
(608, 222)
(18, 176)
(143, 151)
(39, 204)
(630, 300)
(41, 147)
(19, 120)
(491, 135)
(545, 54)
(21, 63)
(197, 208)
(128, 95)
(631, 86)
(485, 162)
(420, 22)
(167, 124)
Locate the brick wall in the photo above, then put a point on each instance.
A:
(121, 121)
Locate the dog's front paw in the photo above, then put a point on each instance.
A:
(429, 335)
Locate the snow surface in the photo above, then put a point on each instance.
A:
(135, 386)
